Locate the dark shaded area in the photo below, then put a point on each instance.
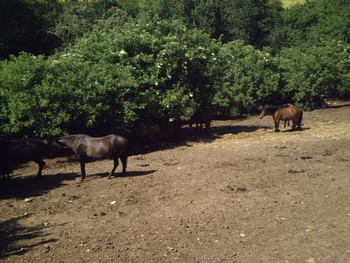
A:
(118, 174)
(188, 134)
(30, 186)
(12, 233)
(22, 30)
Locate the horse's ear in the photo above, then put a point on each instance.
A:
(260, 107)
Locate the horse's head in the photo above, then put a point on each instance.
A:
(67, 141)
(263, 112)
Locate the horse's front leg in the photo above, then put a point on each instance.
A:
(200, 128)
(207, 125)
(115, 165)
(41, 165)
(5, 171)
(277, 125)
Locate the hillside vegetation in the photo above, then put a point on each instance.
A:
(68, 66)
(288, 3)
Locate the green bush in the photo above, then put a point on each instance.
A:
(313, 75)
(164, 59)
(20, 79)
(248, 78)
(157, 69)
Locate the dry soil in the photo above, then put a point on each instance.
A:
(242, 193)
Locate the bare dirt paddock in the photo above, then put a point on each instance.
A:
(244, 194)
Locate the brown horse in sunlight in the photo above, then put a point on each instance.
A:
(14, 152)
(286, 112)
(86, 148)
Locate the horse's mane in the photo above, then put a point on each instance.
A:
(285, 105)
(273, 108)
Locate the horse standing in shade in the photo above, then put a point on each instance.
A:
(86, 147)
(285, 113)
(21, 151)
(201, 118)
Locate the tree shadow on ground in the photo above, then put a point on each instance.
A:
(340, 104)
(12, 235)
(22, 187)
(118, 174)
(189, 135)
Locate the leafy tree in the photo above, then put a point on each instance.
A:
(78, 18)
(316, 20)
(230, 20)
(170, 66)
(315, 74)
(22, 29)
(20, 79)
(249, 78)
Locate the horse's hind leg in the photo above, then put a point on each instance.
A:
(41, 165)
(116, 163)
(124, 159)
(82, 168)
(299, 120)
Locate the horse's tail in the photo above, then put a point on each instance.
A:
(300, 119)
(127, 150)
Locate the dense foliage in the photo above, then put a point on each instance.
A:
(70, 65)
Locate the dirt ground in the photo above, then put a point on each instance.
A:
(243, 193)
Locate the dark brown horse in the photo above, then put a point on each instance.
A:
(201, 118)
(286, 112)
(13, 152)
(86, 148)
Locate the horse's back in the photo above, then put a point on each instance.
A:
(108, 145)
(287, 112)
(118, 140)
(294, 110)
